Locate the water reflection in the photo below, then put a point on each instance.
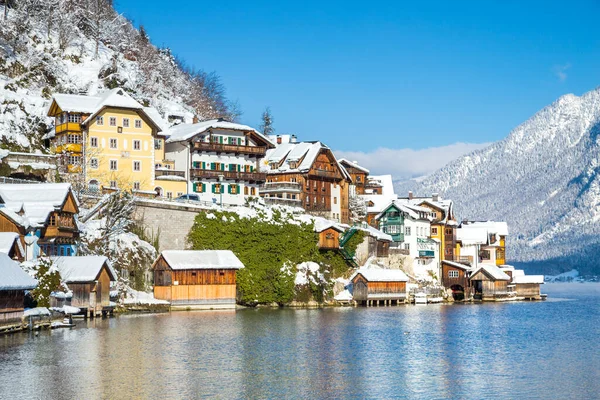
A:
(525, 350)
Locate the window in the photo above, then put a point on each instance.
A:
(448, 231)
(125, 122)
(52, 220)
(73, 139)
(157, 144)
(434, 230)
(252, 191)
(74, 160)
(113, 165)
(137, 166)
(169, 195)
(138, 123)
(112, 121)
(217, 188)
(113, 184)
(407, 231)
(307, 199)
(74, 118)
(94, 142)
(93, 163)
(407, 246)
(335, 200)
(393, 229)
(453, 273)
(137, 145)
(136, 185)
(245, 190)
(113, 143)
(99, 120)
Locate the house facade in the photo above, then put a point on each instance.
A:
(307, 175)
(109, 140)
(218, 160)
(44, 215)
(374, 286)
(358, 176)
(482, 242)
(489, 283)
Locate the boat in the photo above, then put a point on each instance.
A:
(420, 298)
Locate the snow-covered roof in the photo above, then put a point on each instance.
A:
(492, 271)
(435, 201)
(35, 200)
(409, 210)
(456, 265)
(184, 132)
(322, 224)
(376, 233)
(386, 182)
(499, 228)
(12, 277)
(82, 268)
(381, 275)
(528, 279)
(7, 240)
(116, 98)
(201, 259)
(303, 154)
(353, 164)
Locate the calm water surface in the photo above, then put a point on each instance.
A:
(513, 350)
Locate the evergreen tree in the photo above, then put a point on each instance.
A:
(267, 122)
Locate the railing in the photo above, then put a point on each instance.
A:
(235, 175)
(68, 126)
(280, 187)
(282, 201)
(16, 181)
(323, 173)
(168, 172)
(231, 148)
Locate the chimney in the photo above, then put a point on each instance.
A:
(410, 195)
(278, 139)
(435, 197)
(293, 139)
(195, 120)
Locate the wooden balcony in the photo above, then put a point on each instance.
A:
(168, 172)
(258, 151)
(321, 173)
(228, 175)
(68, 127)
(281, 187)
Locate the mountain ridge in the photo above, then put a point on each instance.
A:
(543, 179)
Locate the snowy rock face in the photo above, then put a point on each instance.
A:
(543, 179)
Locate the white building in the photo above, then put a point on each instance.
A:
(482, 242)
(219, 159)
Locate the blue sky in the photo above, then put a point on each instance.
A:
(393, 76)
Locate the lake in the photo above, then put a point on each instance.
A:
(504, 350)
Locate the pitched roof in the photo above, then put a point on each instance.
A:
(457, 265)
(522, 279)
(381, 275)
(492, 271)
(183, 132)
(7, 240)
(286, 153)
(201, 259)
(12, 277)
(82, 268)
(376, 233)
(322, 224)
(117, 98)
(37, 201)
(352, 164)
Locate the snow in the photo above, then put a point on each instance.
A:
(308, 272)
(66, 309)
(322, 224)
(7, 240)
(170, 178)
(37, 201)
(36, 312)
(528, 279)
(12, 277)
(133, 297)
(81, 268)
(376, 233)
(492, 271)
(302, 153)
(344, 295)
(184, 132)
(353, 164)
(377, 274)
(34, 165)
(201, 259)
(565, 276)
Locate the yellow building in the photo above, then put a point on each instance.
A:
(112, 141)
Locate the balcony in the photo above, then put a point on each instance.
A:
(68, 127)
(230, 175)
(258, 151)
(168, 172)
(321, 173)
(68, 148)
(283, 202)
(281, 187)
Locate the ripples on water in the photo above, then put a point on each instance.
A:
(510, 350)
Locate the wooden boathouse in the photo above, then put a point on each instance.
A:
(528, 286)
(89, 279)
(196, 279)
(378, 286)
(13, 284)
(489, 283)
(455, 276)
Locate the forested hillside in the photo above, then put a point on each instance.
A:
(543, 179)
(82, 46)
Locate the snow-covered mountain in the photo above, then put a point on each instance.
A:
(543, 179)
(84, 46)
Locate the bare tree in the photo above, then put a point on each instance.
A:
(267, 122)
